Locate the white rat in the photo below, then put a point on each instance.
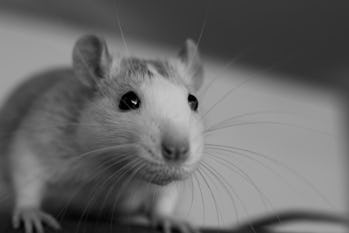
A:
(133, 121)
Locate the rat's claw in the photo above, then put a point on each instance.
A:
(168, 224)
(33, 220)
(50, 221)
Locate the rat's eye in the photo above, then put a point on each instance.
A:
(193, 102)
(129, 101)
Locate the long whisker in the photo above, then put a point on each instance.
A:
(118, 22)
(225, 67)
(241, 84)
(135, 171)
(202, 30)
(125, 171)
(268, 123)
(213, 172)
(120, 174)
(224, 162)
(211, 193)
(100, 150)
(248, 114)
(99, 170)
(276, 162)
(95, 192)
(224, 180)
(192, 195)
(248, 156)
(270, 68)
(202, 198)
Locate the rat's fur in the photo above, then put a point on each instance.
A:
(64, 125)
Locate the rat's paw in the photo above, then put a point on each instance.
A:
(33, 220)
(170, 225)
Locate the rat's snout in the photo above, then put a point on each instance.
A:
(174, 146)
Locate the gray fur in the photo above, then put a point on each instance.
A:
(162, 67)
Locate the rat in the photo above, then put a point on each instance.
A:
(134, 121)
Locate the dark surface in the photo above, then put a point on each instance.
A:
(91, 226)
(305, 38)
(74, 224)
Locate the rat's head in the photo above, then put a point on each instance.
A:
(144, 114)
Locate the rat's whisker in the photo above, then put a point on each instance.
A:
(234, 88)
(192, 188)
(221, 178)
(215, 147)
(248, 156)
(90, 198)
(104, 149)
(225, 67)
(246, 152)
(118, 22)
(125, 170)
(155, 193)
(241, 84)
(99, 171)
(247, 123)
(215, 203)
(231, 119)
(120, 173)
(231, 166)
(224, 185)
(202, 30)
(202, 197)
(123, 187)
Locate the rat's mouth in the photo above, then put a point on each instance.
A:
(162, 174)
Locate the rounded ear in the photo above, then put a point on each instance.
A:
(91, 59)
(190, 57)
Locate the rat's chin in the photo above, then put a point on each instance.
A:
(162, 174)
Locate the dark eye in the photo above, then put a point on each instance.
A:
(129, 101)
(193, 102)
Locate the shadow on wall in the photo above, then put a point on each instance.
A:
(304, 38)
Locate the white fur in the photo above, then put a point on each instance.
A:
(28, 175)
(167, 104)
(167, 200)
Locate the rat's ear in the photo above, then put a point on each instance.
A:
(190, 57)
(91, 59)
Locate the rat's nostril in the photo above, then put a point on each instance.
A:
(184, 149)
(175, 152)
(167, 150)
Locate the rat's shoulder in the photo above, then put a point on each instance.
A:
(28, 92)
(46, 94)
(36, 85)
(22, 99)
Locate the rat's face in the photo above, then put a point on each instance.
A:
(145, 118)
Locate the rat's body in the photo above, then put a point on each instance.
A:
(131, 123)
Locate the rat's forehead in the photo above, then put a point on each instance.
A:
(136, 71)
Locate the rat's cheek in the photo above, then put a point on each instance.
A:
(196, 147)
(148, 135)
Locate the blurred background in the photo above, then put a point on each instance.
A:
(281, 66)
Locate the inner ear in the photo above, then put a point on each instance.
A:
(190, 57)
(91, 59)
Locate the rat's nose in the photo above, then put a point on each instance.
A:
(175, 149)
